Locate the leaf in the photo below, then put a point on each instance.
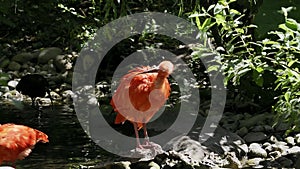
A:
(258, 78)
(218, 8)
(286, 10)
(206, 23)
(259, 69)
(287, 96)
(292, 24)
(197, 15)
(243, 71)
(235, 12)
(220, 19)
(291, 63)
(284, 27)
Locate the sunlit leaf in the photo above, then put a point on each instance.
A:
(292, 24)
(287, 96)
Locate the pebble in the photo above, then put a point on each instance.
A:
(48, 53)
(60, 63)
(290, 140)
(256, 150)
(255, 120)
(12, 83)
(285, 162)
(4, 63)
(255, 137)
(259, 128)
(293, 150)
(23, 57)
(14, 66)
(242, 131)
(254, 161)
(297, 138)
(275, 154)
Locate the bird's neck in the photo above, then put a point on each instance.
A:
(159, 82)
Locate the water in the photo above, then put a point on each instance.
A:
(68, 147)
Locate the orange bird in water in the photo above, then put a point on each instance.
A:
(17, 141)
(140, 94)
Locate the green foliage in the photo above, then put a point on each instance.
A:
(249, 61)
(286, 50)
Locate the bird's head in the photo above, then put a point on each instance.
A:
(165, 67)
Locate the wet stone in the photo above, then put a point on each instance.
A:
(256, 150)
(290, 140)
(285, 162)
(14, 66)
(255, 137)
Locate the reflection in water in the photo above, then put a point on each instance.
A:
(69, 145)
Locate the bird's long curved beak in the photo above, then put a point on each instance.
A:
(152, 70)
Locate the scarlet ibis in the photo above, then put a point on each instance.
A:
(17, 141)
(140, 94)
(34, 85)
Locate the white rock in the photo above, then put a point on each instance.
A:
(12, 83)
(290, 140)
(293, 150)
(257, 150)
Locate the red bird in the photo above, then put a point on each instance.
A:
(140, 94)
(17, 141)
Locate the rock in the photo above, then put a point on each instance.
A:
(259, 128)
(297, 138)
(256, 150)
(147, 153)
(23, 57)
(55, 96)
(14, 66)
(242, 131)
(268, 128)
(4, 63)
(255, 137)
(153, 165)
(290, 140)
(12, 83)
(294, 150)
(254, 161)
(275, 154)
(281, 126)
(49, 68)
(280, 146)
(233, 161)
(6, 167)
(267, 146)
(222, 140)
(192, 150)
(285, 162)
(255, 120)
(229, 121)
(116, 165)
(4, 88)
(60, 63)
(48, 53)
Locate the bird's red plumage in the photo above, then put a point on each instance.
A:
(141, 105)
(16, 141)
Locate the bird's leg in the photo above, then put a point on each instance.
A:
(145, 134)
(138, 143)
(147, 143)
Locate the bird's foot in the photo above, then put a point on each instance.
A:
(148, 145)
